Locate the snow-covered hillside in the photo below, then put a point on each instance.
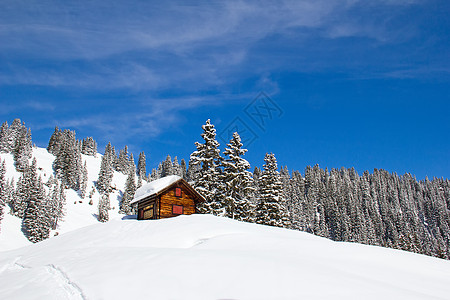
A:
(196, 257)
(78, 211)
(207, 257)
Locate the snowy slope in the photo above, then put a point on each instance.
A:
(78, 211)
(207, 257)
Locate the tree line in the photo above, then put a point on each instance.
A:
(378, 208)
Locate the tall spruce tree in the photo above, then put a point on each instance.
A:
(36, 223)
(128, 195)
(207, 181)
(22, 149)
(106, 171)
(68, 162)
(56, 202)
(131, 164)
(3, 190)
(22, 192)
(13, 132)
(103, 208)
(4, 138)
(183, 169)
(271, 208)
(84, 181)
(141, 168)
(238, 181)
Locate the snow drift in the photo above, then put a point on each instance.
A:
(207, 257)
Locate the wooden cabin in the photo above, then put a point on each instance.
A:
(166, 197)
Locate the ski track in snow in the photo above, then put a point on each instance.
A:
(71, 288)
(13, 265)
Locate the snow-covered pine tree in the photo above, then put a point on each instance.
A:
(3, 190)
(128, 195)
(84, 181)
(10, 189)
(285, 178)
(68, 161)
(89, 146)
(271, 208)
(176, 168)
(207, 182)
(139, 182)
(53, 201)
(22, 149)
(141, 167)
(156, 173)
(193, 172)
(22, 192)
(167, 167)
(298, 201)
(183, 169)
(238, 181)
(4, 138)
(131, 164)
(103, 208)
(122, 162)
(106, 171)
(55, 141)
(35, 220)
(12, 134)
(61, 204)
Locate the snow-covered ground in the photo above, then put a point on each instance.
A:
(207, 257)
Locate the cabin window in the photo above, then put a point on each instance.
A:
(177, 209)
(148, 212)
(177, 192)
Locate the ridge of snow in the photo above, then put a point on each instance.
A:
(154, 187)
(207, 257)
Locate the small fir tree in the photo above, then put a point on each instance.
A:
(103, 208)
(3, 190)
(4, 138)
(89, 146)
(84, 181)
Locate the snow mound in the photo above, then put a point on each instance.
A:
(154, 187)
(206, 257)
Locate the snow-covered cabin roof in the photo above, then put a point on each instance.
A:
(154, 187)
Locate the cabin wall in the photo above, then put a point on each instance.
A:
(168, 199)
(146, 203)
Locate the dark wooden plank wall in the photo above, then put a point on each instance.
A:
(147, 202)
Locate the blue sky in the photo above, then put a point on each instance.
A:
(361, 84)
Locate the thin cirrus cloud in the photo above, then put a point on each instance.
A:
(147, 120)
(153, 46)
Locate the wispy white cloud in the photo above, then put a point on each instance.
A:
(160, 45)
(7, 107)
